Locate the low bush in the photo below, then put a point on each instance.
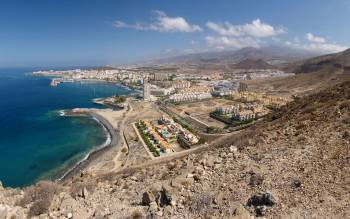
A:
(39, 197)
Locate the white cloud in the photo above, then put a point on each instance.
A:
(256, 28)
(137, 26)
(223, 42)
(316, 44)
(315, 39)
(163, 23)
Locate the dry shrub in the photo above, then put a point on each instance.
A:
(39, 197)
(137, 214)
(38, 208)
(76, 188)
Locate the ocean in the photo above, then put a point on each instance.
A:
(36, 143)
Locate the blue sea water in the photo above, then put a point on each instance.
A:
(35, 141)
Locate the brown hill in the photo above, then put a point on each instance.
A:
(253, 64)
(311, 75)
(333, 62)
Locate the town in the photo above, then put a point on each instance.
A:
(190, 105)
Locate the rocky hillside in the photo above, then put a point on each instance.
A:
(311, 75)
(253, 64)
(328, 63)
(295, 163)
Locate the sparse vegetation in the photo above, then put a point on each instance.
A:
(119, 99)
(183, 124)
(146, 138)
(39, 197)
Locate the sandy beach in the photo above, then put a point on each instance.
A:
(108, 120)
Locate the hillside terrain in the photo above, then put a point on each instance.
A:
(295, 163)
(311, 75)
(254, 64)
(327, 63)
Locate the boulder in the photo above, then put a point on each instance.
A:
(261, 202)
(84, 193)
(147, 198)
(164, 197)
(261, 199)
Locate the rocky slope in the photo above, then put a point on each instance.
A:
(338, 62)
(311, 75)
(294, 164)
(254, 64)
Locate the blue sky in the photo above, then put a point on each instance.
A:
(99, 32)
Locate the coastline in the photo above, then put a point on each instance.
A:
(113, 136)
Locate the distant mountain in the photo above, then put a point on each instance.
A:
(254, 64)
(338, 62)
(273, 55)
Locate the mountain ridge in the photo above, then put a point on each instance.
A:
(275, 55)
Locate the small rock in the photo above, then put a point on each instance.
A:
(260, 211)
(134, 178)
(210, 161)
(164, 197)
(240, 212)
(168, 211)
(69, 215)
(147, 198)
(190, 175)
(84, 193)
(223, 155)
(153, 207)
(218, 199)
(233, 149)
(197, 178)
(218, 161)
(296, 183)
(262, 199)
(260, 202)
(256, 179)
(160, 213)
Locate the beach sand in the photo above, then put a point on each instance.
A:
(101, 159)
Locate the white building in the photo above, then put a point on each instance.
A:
(146, 90)
(189, 97)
